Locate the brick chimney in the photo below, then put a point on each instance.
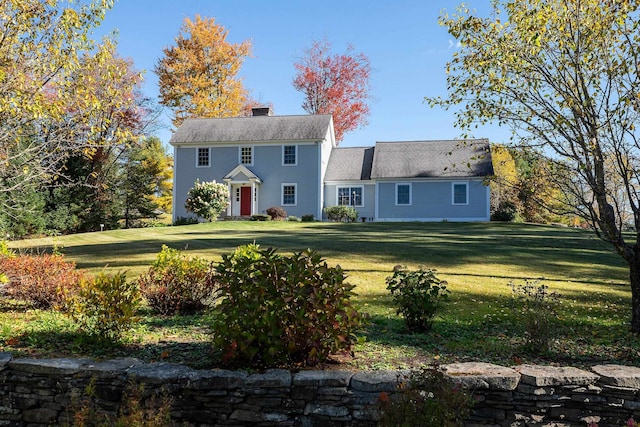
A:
(261, 111)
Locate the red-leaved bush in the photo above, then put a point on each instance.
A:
(41, 280)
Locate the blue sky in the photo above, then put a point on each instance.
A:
(407, 48)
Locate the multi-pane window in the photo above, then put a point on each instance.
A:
(202, 157)
(350, 196)
(289, 155)
(403, 194)
(288, 194)
(246, 155)
(460, 193)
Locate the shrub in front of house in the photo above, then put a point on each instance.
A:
(105, 306)
(417, 295)
(276, 310)
(308, 218)
(260, 217)
(207, 199)
(43, 281)
(177, 284)
(341, 213)
(276, 213)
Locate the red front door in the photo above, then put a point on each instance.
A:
(245, 201)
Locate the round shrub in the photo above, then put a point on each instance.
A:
(341, 213)
(44, 281)
(207, 199)
(417, 295)
(281, 310)
(175, 284)
(276, 213)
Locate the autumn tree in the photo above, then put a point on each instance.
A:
(563, 75)
(198, 77)
(336, 84)
(40, 50)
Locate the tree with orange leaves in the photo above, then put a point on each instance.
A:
(198, 77)
(336, 84)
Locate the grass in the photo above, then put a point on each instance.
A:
(477, 260)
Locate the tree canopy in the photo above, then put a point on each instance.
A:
(336, 84)
(198, 77)
(563, 74)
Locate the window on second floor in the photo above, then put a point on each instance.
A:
(350, 196)
(202, 157)
(290, 155)
(246, 155)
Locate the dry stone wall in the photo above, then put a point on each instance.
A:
(43, 392)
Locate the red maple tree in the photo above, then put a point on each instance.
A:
(336, 84)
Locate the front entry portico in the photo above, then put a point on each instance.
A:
(243, 189)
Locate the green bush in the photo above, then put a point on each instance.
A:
(260, 217)
(428, 398)
(308, 218)
(105, 305)
(341, 213)
(418, 295)
(281, 310)
(535, 308)
(276, 213)
(177, 284)
(183, 220)
(293, 218)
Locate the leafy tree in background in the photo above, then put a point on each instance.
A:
(563, 75)
(145, 181)
(336, 84)
(198, 77)
(40, 51)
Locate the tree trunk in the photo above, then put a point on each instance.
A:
(634, 279)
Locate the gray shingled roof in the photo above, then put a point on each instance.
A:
(252, 129)
(432, 159)
(352, 163)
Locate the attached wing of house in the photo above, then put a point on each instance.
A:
(292, 162)
(412, 181)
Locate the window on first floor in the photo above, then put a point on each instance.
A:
(403, 194)
(350, 196)
(202, 157)
(289, 155)
(460, 193)
(289, 194)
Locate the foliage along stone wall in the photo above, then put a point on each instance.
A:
(39, 392)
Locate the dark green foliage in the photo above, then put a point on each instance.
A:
(260, 217)
(279, 310)
(308, 218)
(536, 310)
(341, 213)
(276, 213)
(185, 220)
(507, 211)
(176, 284)
(417, 296)
(428, 398)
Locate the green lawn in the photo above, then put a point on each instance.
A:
(477, 260)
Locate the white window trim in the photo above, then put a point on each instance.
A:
(295, 193)
(295, 147)
(198, 165)
(240, 155)
(410, 194)
(453, 193)
(361, 187)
